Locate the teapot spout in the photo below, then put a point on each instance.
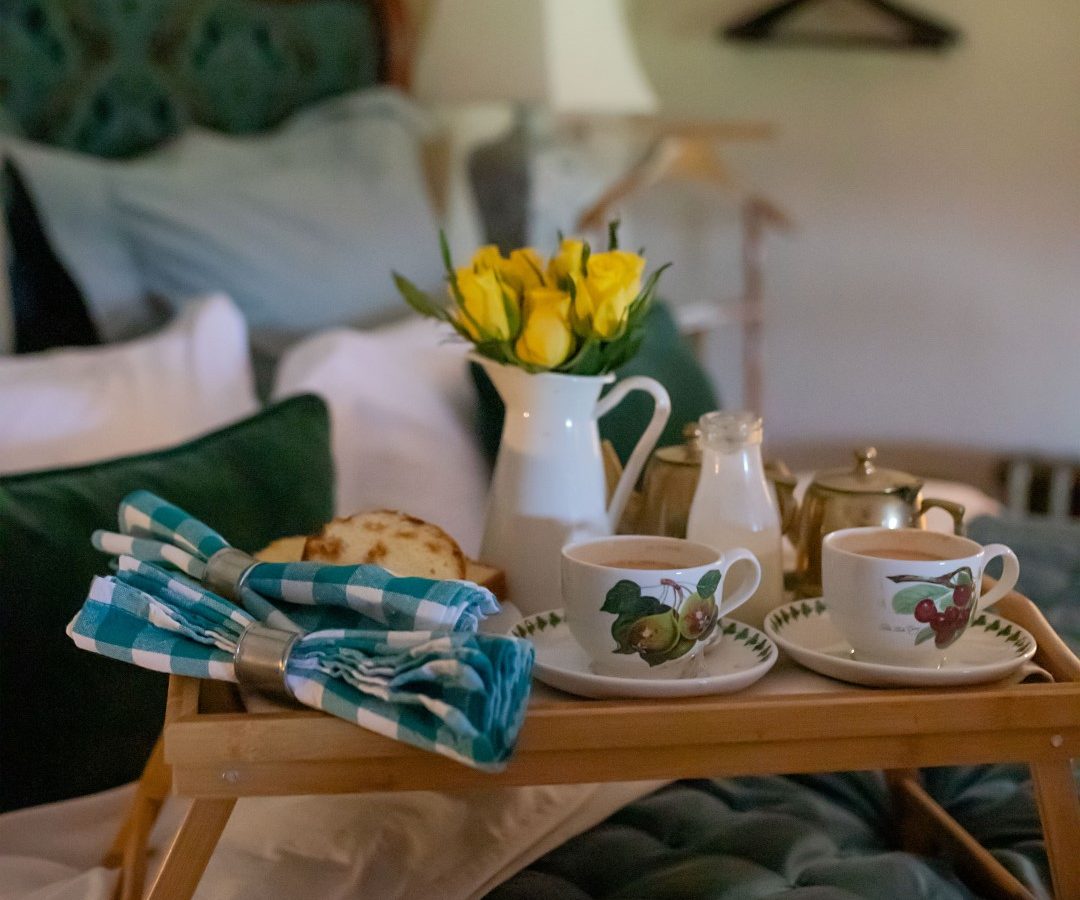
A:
(783, 484)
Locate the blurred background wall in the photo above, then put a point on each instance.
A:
(931, 292)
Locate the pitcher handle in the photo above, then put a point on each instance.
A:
(645, 443)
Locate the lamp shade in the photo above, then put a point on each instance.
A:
(568, 56)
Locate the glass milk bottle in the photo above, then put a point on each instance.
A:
(733, 506)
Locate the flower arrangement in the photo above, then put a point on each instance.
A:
(579, 312)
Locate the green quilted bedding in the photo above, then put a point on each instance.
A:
(822, 836)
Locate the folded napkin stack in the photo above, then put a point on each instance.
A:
(412, 667)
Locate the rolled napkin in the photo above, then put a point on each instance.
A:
(408, 663)
(155, 531)
(456, 693)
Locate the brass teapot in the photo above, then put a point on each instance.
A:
(850, 498)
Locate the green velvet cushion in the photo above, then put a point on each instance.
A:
(664, 355)
(74, 722)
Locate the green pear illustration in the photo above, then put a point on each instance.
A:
(657, 633)
(697, 616)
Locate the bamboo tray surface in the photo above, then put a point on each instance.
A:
(789, 722)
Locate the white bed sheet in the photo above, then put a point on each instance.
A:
(409, 845)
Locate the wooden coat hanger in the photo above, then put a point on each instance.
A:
(910, 30)
(693, 157)
(676, 157)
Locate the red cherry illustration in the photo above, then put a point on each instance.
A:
(924, 610)
(963, 593)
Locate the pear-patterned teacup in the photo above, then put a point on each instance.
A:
(644, 607)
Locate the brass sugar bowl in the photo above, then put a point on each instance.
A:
(851, 498)
(670, 480)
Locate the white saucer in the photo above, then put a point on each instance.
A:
(737, 660)
(990, 649)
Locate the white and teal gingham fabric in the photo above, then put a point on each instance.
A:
(458, 694)
(153, 530)
(398, 656)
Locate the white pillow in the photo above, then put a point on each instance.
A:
(72, 406)
(402, 417)
(300, 225)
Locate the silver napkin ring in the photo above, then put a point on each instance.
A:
(226, 571)
(260, 658)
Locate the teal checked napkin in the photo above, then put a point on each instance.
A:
(411, 667)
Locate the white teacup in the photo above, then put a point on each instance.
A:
(902, 596)
(644, 607)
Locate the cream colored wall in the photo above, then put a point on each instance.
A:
(932, 292)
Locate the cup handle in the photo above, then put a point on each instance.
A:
(1009, 574)
(743, 591)
(645, 443)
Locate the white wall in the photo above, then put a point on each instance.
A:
(932, 292)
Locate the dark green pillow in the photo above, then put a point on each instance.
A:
(664, 355)
(74, 722)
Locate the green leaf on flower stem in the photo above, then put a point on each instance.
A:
(613, 235)
(495, 350)
(444, 248)
(924, 635)
(616, 354)
(586, 252)
(485, 337)
(417, 299)
(510, 309)
(650, 283)
(905, 601)
(578, 325)
(586, 361)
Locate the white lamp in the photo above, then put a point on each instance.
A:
(573, 57)
(567, 56)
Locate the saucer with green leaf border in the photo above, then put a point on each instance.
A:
(738, 659)
(990, 649)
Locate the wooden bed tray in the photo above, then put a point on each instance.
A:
(215, 752)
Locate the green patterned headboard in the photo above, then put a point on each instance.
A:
(116, 77)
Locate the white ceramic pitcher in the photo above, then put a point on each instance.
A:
(548, 487)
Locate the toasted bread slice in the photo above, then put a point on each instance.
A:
(286, 549)
(398, 542)
(486, 576)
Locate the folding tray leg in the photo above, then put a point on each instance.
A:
(128, 849)
(191, 849)
(1059, 809)
(927, 829)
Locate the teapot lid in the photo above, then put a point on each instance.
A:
(866, 477)
(687, 454)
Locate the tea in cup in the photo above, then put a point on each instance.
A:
(903, 596)
(645, 607)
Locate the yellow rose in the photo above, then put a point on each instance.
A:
(611, 283)
(525, 269)
(482, 299)
(567, 262)
(546, 339)
(487, 257)
(522, 271)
